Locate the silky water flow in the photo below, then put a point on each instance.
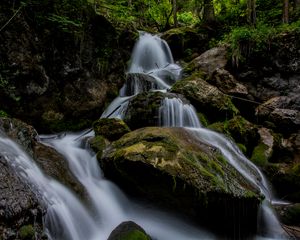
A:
(68, 218)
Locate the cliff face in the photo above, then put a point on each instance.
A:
(58, 71)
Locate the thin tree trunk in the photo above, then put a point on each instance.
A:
(175, 13)
(251, 9)
(129, 3)
(285, 16)
(297, 4)
(209, 12)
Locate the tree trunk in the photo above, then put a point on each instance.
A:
(297, 4)
(129, 3)
(251, 10)
(209, 12)
(175, 13)
(285, 15)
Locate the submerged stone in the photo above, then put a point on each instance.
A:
(174, 170)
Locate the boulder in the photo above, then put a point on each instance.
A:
(281, 113)
(110, 128)
(171, 168)
(205, 97)
(209, 61)
(128, 231)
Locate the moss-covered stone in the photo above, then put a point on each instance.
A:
(205, 97)
(259, 156)
(240, 130)
(26, 232)
(98, 144)
(128, 231)
(110, 128)
(173, 169)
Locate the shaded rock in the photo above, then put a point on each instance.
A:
(285, 177)
(289, 214)
(19, 206)
(128, 231)
(49, 160)
(185, 41)
(209, 61)
(174, 170)
(205, 97)
(56, 77)
(98, 144)
(227, 83)
(276, 110)
(110, 128)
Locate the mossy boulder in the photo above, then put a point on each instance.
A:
(98, 144)
(240, 130)
(110, 128)
(128, 231)
(171, 168)
(27, 232)
(205, 97)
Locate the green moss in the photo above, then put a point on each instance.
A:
(3, 114)
(135, 235)
(259, 155)
(26, 232)
(242, 147)
(98, 144)
(202, 118)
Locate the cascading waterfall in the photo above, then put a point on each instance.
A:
(68, 218)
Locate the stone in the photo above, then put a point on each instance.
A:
(174, 170)
(205, 97)
(110, 128)
(128, 231)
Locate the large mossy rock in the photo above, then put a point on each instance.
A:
(128, 231)
(171, 168)
(205, 97)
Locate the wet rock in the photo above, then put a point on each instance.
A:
(143, 110)
(19, 206)
(128, 231)
(240, 130)
(205, 97)
(110, 128)
(172, 169)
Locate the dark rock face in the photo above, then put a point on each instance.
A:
(128, 231)
(170, 168)
(185, 41)
(58, 79)
(20, 208)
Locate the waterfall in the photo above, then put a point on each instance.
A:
(68, 218)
